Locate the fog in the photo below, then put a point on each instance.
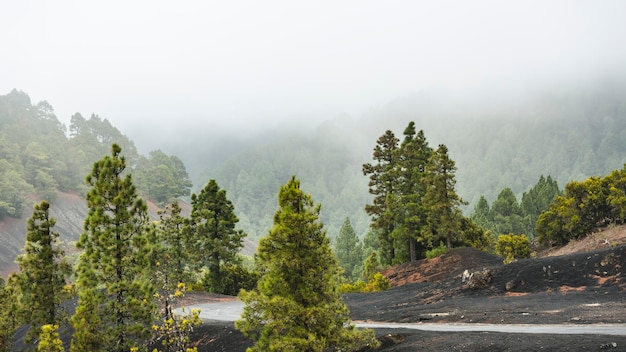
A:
(172, 68)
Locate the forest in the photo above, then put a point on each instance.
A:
(378, 202)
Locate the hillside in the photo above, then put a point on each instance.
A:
(70, 211)
(568, 133)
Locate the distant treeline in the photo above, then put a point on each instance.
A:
(40, 156)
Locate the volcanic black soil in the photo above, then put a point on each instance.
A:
(579, 288)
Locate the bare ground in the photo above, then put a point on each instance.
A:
(573, 288)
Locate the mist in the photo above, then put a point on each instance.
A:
(169, 73)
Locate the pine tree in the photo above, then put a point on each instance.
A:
(444, 215)
(382, 185)
(9, 312)
(170, 257)
(349, 249)
(172, 236)
(296, 305)
(507, 213)
(115, 296)
(536, 201)
(49, 340)
(42, 272)
(414, 157)
(215, 241)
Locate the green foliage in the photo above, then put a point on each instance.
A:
(377, 283)
(444, 215)
(49, 340)
(42, 273)
(173, 331)
(509, 216)
(39, 158)
(371, 266)
(584, 206)
(437, 251)
(115, 307)
(214, 241)
(296, 305)
(537, 200)
(512, 247)
(170, 252)
(9, 312)
(349, 249)
(354, 287)
(162, 177)
(238, 277)
(409, 203)
(415, 201)
(381, 186)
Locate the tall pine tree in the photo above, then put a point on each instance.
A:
(215, 241)
(444, 216)
(42, 272)
(382, 185)
(414, 156)
(296, 305)
(115, 295)
(349, 249)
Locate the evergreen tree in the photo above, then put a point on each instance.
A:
(444, 215)
(382, 185)
(169, 260)
(49, 340)
(115, 295)
(9, 314)
(482, 214)
(414, 156)
(537, 200)
(507, 214)
(371, 266)
(296, 305)
(42, 272)
(349, 249)
(215, 241)
(173, 255)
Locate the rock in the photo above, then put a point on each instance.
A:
(479, 279)
(509, 285)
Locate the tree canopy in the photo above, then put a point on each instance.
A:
(296, 305)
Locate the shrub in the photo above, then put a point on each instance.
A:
(512, 247)
(377, 283)
(437, 251)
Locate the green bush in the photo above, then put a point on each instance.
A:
(437, 251)
(377, 283)
(512, 247)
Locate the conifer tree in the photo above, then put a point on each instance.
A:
(444, 216)
(42, 272)
(348, 248)
(170, 257)
(172, 236)
(215, 241)
(49, 340)
(382, 185)
(9, 314)
(115, 295)
(296, 305)
(414, 157)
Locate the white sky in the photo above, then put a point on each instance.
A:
(249, 62)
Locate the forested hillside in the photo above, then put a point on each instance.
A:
(568, 134)
(40, 156)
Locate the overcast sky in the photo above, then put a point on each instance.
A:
(250, 62)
